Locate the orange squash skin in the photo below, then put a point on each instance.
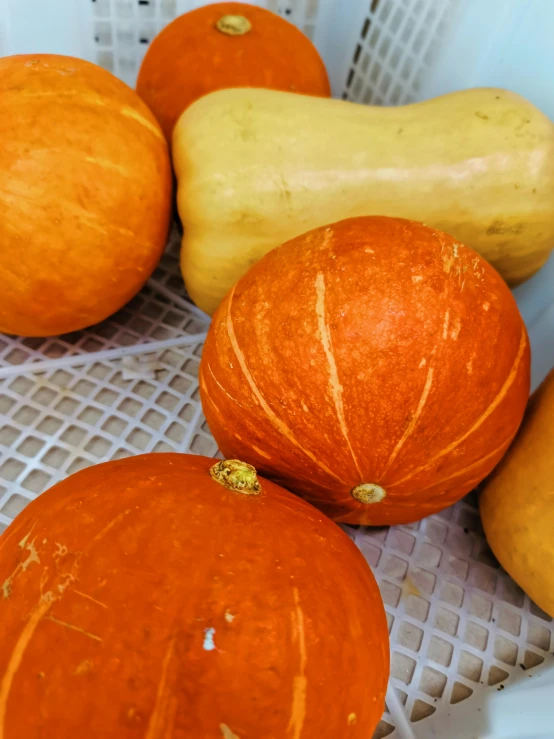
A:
(516, 501)
(141, 598)
(85, 194)
(375, 350)
(190, 57)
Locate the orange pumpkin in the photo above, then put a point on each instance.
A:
(85, 194)
(375, 366)
(226, 45)
(146, 598)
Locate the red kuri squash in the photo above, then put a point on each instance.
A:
(146, 598)
(85, 194)
(226, 45)
(375, 366)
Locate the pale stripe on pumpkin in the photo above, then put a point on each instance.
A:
(467, 469)
(131, 113)
(227, 733)
(17, 654)
(107, 164)
(220, 386)
(334, 383)
(208, 398)
(80, 213)
(44, 604)
(445, 325)
(300, 681)
(161, 719)
(415, 418)
(272, 417)
(95, 100)
(482, 418)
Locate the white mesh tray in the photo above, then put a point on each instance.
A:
(458, 623)
(460, 628)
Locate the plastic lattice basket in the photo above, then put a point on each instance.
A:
(460, 628)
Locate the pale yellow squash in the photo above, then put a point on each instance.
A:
(258, 167)
(517, 504)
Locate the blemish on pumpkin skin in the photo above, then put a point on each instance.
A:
(486, 306)
(89, 597)
(327, 238)
(134, 716)
(61, 551)
(72, 627)
(447, 263)
(351, 719)
(23, 541)
(455, 331)
(208, 644)
(18, 652)
(22, 566)
(229, 617)
(110, 526)
(83, 668)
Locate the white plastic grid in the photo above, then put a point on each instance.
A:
(397, 42)
(397, 45)
(458, 623)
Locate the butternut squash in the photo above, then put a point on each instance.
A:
(517, 503)
(257, 167)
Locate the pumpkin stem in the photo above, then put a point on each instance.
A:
(368, 492)
(237, 476)
(233, 25)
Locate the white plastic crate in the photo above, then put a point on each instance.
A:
(460, 627)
